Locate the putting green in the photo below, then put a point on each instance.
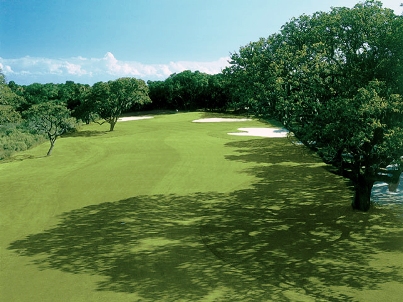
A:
(165, 209)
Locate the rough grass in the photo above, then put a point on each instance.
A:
(169, 210)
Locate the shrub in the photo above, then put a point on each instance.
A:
(15, 138)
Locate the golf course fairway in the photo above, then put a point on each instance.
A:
(163, 209)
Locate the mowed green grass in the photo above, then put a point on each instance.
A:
(169, 210)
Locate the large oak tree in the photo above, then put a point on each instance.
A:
(335, 80)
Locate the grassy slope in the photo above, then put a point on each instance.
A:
(166, 209)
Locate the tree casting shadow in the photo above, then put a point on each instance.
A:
(292, 233)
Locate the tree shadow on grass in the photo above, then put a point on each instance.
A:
(296, 227)
(85, 133)
(149, 245)
(18, 157)
(290, 237)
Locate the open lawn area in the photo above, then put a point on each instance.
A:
(164, 209)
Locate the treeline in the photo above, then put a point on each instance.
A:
(180, 91)
(101, 102)
(190, 91)
(335, 79)
(81, 99)
(14, 134)
(30, 114)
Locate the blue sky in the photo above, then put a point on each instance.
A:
(95, 40)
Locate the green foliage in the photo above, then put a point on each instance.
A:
(50, 119)
(217, 93)
(8, 97)
(15, 139)
(73, 94)
(252, 79)
(186, 89)
(111, 99)
(9, 116)
(83, 108)
(189, 91)
(335, 80)
(37, 93)
(158, 93)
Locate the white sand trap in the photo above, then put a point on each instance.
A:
(133, 118)
(262, 132)
(221, 120)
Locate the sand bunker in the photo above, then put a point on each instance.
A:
(262, 132)
(133, 118)
(221, 120)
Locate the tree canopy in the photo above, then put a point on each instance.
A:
(335, 80)
(112, 98)
(51, 119)
(189, 90)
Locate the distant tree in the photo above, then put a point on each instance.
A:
(51, 119)
(217, 93)
(186, 90)
(69, 93)
(8, 101)
(9, 116)
(86, 110)
(158, 93)
(189, 91)
(112, 98)
(7, 96)
(17, 89)
(37, 93)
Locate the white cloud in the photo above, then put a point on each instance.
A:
(74, 69)
(6, 68)
(28, 69)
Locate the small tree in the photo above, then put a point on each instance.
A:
(50, 119)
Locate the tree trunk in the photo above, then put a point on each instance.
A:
(362, 198)
(112, 125)
(52, 144)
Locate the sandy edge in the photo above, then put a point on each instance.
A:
(261, 132)
(133, 118)
(220, 120)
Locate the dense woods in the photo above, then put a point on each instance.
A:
(334, 79)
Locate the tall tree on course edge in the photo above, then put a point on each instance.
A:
(335, 80)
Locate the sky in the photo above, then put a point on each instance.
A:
(86, 41)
